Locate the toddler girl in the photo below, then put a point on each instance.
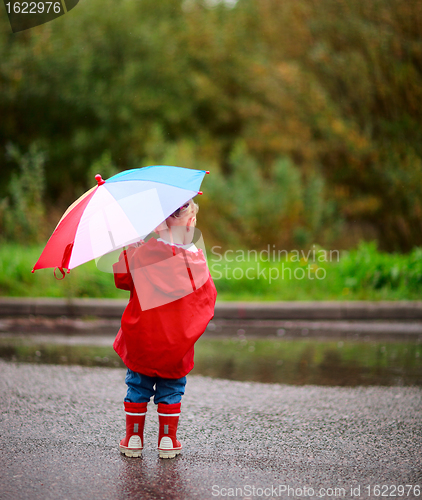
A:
(172, 299)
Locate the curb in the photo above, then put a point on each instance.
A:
(324, 310)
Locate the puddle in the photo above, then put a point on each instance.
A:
(300, 362)
(297, 362)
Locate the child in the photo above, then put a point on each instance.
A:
(172, 298)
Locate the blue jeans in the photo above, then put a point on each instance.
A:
(141, 388)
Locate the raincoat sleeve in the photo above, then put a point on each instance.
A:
(121, 270)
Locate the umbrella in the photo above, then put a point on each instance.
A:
(117, 212)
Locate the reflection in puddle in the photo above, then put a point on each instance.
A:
(151, 478)
(298, 362)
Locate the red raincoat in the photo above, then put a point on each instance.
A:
(172, 299)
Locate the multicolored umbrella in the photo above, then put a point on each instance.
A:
(117, 212)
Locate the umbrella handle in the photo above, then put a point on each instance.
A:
(62, 272)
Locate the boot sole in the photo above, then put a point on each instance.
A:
(135, 453)
(168, 453)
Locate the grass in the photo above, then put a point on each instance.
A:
(295, 362)
(16, 279)
(361, 274)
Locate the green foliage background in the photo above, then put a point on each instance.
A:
(307, 112)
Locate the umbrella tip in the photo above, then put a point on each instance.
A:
(207, 171)
(99, 179)
(200, 192)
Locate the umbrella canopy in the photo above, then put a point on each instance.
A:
(117, 212)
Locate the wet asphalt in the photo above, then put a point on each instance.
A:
(60, 427)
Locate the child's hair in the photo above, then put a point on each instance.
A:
(188, 207)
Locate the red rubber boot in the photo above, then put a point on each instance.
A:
(132, 444)
(168, 416)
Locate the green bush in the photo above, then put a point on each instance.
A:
(253, 208)
(22, 211)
